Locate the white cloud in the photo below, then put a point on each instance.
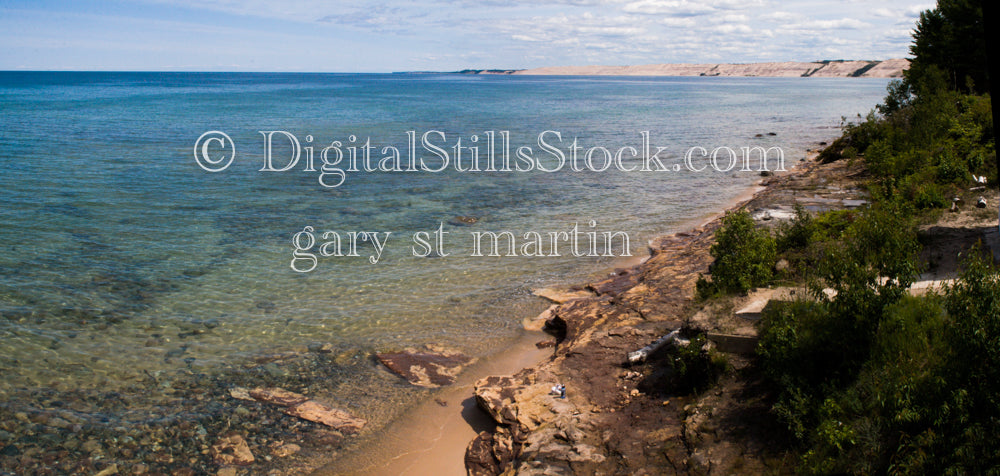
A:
(526, 33)
(839, 24)
(668, 7)
(781, 16)
(916, 10)
(731, 28)
(679, 22)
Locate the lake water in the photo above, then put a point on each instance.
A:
(122, 259)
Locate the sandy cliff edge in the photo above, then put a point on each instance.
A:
(891, 68)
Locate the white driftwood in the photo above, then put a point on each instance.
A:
(640, 355)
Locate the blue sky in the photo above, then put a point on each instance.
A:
(442, 35)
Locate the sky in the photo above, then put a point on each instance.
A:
(442, 35)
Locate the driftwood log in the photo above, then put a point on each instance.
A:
(640, 356)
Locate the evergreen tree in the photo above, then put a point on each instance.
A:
(950, 38)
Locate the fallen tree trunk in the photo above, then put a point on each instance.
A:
(640, 356)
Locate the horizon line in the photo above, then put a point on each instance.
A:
(28, 70)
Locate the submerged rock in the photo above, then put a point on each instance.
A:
(286, 450)
(302, 407)
(429, 368)
(277, 396)
(232, 450)
(317, 412)
(560, 296)
(240, 393)
(463, 220)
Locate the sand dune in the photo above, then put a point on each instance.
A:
(892, 68)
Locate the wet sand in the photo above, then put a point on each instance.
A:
(432, 437)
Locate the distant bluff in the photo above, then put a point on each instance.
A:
(892, 68)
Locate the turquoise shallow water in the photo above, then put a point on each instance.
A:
(121, 258)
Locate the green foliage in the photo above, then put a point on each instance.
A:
(973, 420)
(928, 195)
(744, 256)
(877, 263)
(805, 230)
(805, 240)
(899, 96)
(797, 353)
(928, 150)
(951, 38)
(925, 399)
(880, 159)
(860, 427)
(831, 225)
(872, 380)
(863, 133)
(797, 233)
(696, 369)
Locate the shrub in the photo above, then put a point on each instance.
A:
(880, 159)
(798, 232)
(971, 421)
(744, 256)
(874, 381)
(929, 196)
(696, 369)
(924, 396)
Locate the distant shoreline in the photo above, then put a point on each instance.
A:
(891, 68)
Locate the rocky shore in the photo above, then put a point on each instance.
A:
(274, 413)
(619, 418)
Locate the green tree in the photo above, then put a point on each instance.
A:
(950, 38)
(744, 255)
(971, 416)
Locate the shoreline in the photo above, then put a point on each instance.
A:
(431, 438)
(619, 417)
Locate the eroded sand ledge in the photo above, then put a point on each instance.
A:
(891, 68)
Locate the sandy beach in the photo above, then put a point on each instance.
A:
(432, 437)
